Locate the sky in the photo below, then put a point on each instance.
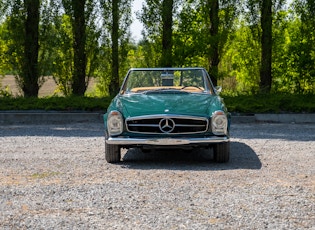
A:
(136, 26)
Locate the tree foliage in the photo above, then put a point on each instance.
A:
(248, 46)
(20, 34)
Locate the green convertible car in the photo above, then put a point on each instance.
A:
(167, 108)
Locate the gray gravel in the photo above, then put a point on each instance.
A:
(55, 177)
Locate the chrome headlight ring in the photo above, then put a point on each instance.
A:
(115, 123)
(219, 123)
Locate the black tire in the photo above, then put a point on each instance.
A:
(222, 152)
(112, 152)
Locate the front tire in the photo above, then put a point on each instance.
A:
(112, 152)
(222, 152)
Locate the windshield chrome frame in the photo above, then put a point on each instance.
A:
(206, 77)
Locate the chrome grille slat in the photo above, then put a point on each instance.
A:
(143, 125)
(173, 124)
(189, 125)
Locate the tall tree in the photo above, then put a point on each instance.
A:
(157, 17)
(214, 58)
(266, 46)
(114, 83)
(79, 84)
(167, 22)
(219, 17)
(30, 72)
(114, 45)
(23, 43)
(263, 12)
(69, 44)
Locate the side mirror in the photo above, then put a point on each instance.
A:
(218, 89)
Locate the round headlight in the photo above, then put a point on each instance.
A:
(115, 123)
(219, 123)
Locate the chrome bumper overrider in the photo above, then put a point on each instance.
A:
(164, 141)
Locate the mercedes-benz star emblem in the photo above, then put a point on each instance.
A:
(167, 125)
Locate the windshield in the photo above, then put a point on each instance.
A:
(166, 80)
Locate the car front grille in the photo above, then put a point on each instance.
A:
(167, 124)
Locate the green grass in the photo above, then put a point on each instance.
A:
(243, 104)
(55, 103)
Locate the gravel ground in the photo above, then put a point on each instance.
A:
(55, 177)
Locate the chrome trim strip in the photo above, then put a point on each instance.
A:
(167, 116)
(183, 125)
(164, 141)
(143, 125)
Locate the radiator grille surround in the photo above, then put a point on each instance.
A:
(167, 124)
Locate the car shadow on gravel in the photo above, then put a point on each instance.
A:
(242, 156)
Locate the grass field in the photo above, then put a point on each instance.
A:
(47, 89)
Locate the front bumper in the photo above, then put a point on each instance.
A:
(165, 141)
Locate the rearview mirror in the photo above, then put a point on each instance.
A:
(167, 79)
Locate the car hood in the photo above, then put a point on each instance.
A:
(186, 104)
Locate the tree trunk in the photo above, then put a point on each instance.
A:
(266, 46)
(214, 57)
(30, 72)
(167, 21)
(78, 82)
(114, 83)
